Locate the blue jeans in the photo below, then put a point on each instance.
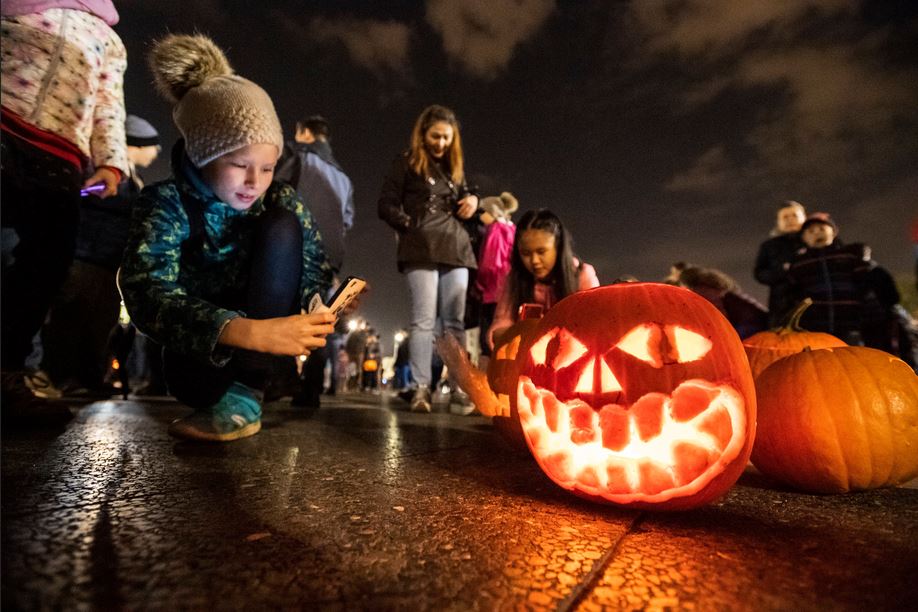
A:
(434, 290)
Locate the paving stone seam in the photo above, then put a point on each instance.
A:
(585, 586)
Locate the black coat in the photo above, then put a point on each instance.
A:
(769, 270)
(423, 213)
(835, 278)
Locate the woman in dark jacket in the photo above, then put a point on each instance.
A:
(425, 198)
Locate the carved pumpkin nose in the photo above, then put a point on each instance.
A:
(597, 370)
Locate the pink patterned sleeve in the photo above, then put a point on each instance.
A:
(108, 141)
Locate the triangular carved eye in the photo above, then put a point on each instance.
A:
(607, 381)
(570, 350)
(539, 351)
(643, 342)
(686, 344)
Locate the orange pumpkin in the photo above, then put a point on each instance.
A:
(764, 348)
(503, 374)
(502, 368)
(637, 394)
(838, 419)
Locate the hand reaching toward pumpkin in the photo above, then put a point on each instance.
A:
(472, 380)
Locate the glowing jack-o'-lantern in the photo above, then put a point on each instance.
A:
(637, 394)
(503, 375)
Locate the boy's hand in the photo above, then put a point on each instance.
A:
(298, 334)
(293, 335)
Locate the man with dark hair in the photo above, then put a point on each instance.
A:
(308, 164)
(310, 167)
(312, 128)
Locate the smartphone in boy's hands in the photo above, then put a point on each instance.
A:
(344, 295)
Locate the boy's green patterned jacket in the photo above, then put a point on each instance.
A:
(184, 303)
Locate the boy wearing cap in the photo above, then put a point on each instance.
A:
(220, 257)
(833, 275)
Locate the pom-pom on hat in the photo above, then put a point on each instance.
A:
(500, 207)
(820, 217)
(216, 110)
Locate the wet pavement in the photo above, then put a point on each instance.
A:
(367, 506)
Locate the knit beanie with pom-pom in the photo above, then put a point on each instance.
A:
(216, 111)
(500, 207)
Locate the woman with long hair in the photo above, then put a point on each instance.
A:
(543, 269)
(424, 199)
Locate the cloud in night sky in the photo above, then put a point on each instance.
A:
(481, 35)
(372, 44)
(837, 102)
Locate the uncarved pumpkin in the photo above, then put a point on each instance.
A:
(765, 348)
(838, 419)
(637, 394)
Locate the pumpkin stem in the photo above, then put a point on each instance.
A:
(792, 321)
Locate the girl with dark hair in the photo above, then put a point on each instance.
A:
(424, 199)
(543, 269)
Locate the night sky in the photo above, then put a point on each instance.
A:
(657, 130)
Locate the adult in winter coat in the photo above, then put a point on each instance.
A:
(310, 167)
(774, 258)
(424, 199)
(834, 275)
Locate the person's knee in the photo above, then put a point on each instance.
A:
(280, 229)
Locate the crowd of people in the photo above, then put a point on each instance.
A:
(219, 266)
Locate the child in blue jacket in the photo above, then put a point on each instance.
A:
(220, 258)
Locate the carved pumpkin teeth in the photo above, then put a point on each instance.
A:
(659, 447)
(647, 413)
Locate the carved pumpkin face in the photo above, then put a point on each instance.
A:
(637, 394)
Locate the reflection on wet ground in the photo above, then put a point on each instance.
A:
(365, 505)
